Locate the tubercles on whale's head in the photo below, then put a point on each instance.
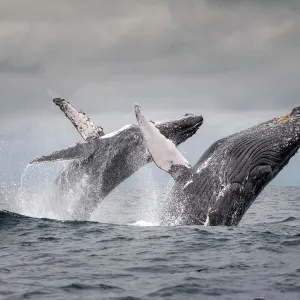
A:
(294, 114)
(284, 138)
(293, 128)
(296, 111)
(254, 158)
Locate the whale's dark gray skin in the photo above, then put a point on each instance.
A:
(223, 184)
(102, 163)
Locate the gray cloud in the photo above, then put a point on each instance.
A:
(228, 59)
(9, 67)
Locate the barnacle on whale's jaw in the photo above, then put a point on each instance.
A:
(284, 138)
(295, 114)
(280, 120)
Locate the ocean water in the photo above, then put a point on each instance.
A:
(122, 253)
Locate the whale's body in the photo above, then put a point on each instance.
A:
(104, 161)
(223, 184)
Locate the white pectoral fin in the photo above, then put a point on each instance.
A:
(163, 151)
(87, 129)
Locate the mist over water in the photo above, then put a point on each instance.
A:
(44, 200)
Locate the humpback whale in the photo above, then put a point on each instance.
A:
(103, 161)
(228, 177)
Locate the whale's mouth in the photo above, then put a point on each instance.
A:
(194, 128)
(197, 120)
(188, 131)
(178, 131)
(186, 128)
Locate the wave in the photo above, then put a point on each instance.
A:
(10, 219)
(5, 214)
(289, 219)
(8, 216)
(13, 218)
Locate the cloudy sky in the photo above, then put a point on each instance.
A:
(235, 62)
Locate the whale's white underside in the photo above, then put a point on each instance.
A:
(163, 151)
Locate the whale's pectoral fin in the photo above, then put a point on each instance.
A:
(258, 178)
(87, 129)
(225, 210)
(78, 151)
(163, 151)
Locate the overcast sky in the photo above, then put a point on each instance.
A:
(235, 62)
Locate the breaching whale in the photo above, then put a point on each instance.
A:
(105, 160)
(223, 184)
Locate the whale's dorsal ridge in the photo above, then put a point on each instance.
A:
(87, 129)
(163, 151)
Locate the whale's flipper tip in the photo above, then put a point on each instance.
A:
(137, 109)
(33, 161)
(87, 129)
(58, 100)
(139, 114)
(42, 159)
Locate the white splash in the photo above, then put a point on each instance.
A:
(143, 223)
(150, 197)
(23, 175)
(204, 165)
(189, 182)
(39, 201)
(45, 202)
(207, 221)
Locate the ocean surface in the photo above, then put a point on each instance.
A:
(122, 253)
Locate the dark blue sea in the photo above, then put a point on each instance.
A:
(122, 253)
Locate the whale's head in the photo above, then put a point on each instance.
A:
(284, 140)
(270, 144)
(179, 130)
(252, 158)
